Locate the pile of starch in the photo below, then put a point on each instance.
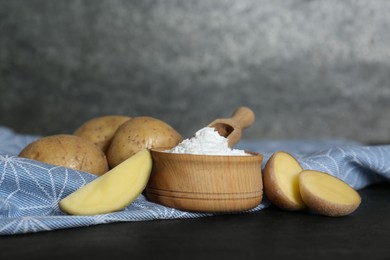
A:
(206, 141)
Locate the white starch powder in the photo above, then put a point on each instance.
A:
(206, 141)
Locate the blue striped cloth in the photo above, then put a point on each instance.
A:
(30, 191)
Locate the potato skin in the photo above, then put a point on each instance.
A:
(68, 151)
(100, 130)
(138, 133)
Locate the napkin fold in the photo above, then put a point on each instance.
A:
(30, 190)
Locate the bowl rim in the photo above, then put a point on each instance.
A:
(163, 150)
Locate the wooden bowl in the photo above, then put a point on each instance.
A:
(206, 183)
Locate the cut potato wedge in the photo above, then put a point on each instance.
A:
(327, 195)
(281, 181)
(114, 190)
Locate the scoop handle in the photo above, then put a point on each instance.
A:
(244, 116)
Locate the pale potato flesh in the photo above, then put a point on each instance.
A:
(287, 172)
(330, 189)
(281, 185)
(327, 194)
(113, 191)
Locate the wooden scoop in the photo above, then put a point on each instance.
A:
(231, 128)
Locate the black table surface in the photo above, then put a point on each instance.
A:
(270, 233)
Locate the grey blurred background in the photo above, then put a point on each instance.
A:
(309, 69)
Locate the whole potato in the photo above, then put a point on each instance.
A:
(139, 133)
(100, 130)
(69, 151)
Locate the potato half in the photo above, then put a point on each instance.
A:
(281, 181)
(138, 133)
(100, 130)
(327, 195)
(68, 151)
